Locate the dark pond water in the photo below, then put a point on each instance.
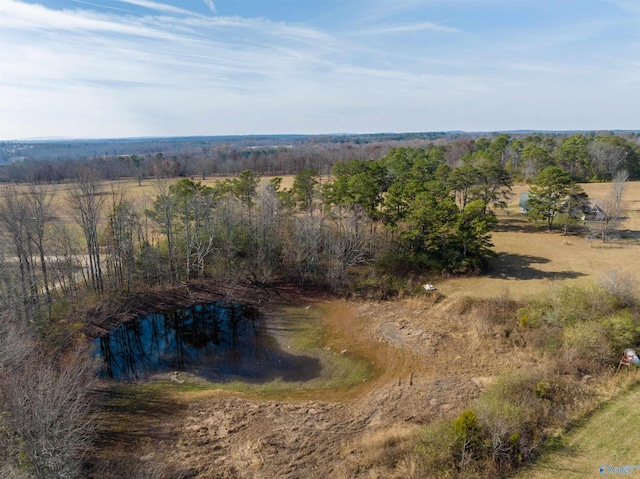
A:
(217, 341)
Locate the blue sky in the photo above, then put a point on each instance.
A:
(129, 68)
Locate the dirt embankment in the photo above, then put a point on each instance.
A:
(110, 313)
(432, 359)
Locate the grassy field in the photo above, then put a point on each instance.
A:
(531, 259)
(609, 437)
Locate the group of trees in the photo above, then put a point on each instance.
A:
(586, 157)
(555, 197)
(409, 209)
(412, 209)
(583, 157)
(47, 405)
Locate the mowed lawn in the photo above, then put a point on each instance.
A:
(609, 437)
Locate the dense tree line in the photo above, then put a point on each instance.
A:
(586, 157)
(11, 151)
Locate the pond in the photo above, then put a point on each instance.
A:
(217, 341)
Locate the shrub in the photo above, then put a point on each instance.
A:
(498, 310)
(468, 437)
(436, 449)
(46, 406)
(504, 428)
(622, 287)
(622, 331)
(574, 304)
(512, 415)
(567, 305)
(586, 340)
(454, 448)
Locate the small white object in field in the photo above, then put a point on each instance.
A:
(429, 287)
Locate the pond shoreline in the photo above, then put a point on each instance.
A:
(293, 317)
(108, 314)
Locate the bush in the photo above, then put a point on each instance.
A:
(600, 341)
(622, 287)
(586, 341)
(574, 304)
(45, 408)
(622, 331)
(588, 325)
(514, 413)
(436, 450)
(504, 428)
(567, 305)
(468, 437)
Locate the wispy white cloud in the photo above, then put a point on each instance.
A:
(77, 72)
(209, 3)
(415, 27)
(99, 5)
(632, 6)
(18, 16)
(160, 7)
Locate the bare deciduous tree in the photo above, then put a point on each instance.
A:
(617, 190)
(607, 158)
(163, 213)
(122, 235)
(85, 202)
(65, 263)
(606, 223)
(14, 221)
(267, 239)
(14, 344)
(620, 285)
(45, 407)
(39, 214)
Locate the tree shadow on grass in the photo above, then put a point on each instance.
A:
(629, 234)
(518, 225)
(519, 267)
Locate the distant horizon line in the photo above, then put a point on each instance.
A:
(301, 135)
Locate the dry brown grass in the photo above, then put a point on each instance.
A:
(531, 259)
(142, 196)
(384, 453)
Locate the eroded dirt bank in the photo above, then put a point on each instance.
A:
(432, 359)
